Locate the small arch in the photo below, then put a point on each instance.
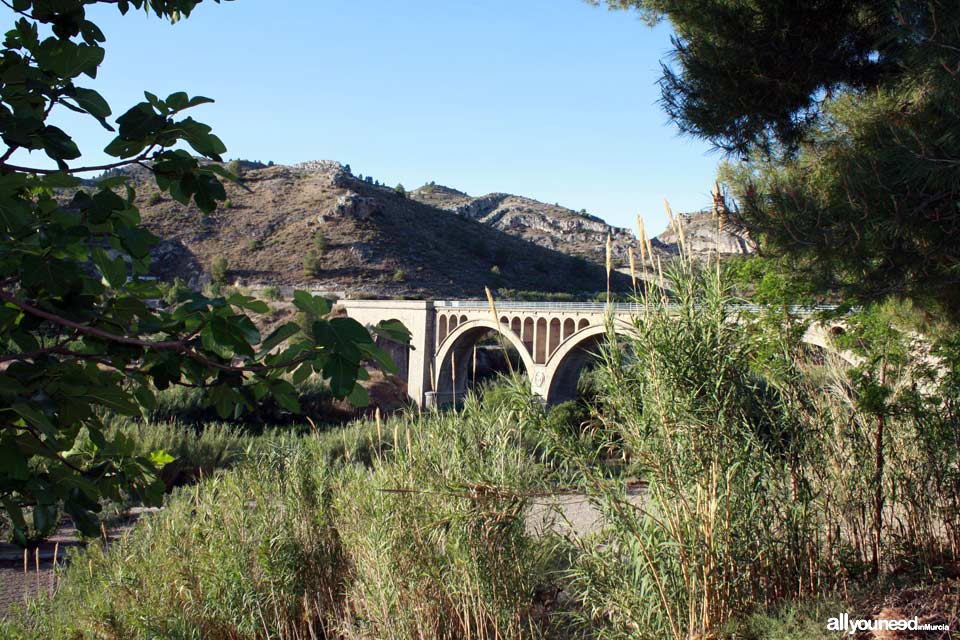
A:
(452, 324)
(569, 327)
(505, 321)
(442, 328)
(540, 337)
(463, 319)
(555, 336)
(515, 325)
(583, 324)
(527, 336)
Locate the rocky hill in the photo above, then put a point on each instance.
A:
(547, 225)
(577, 233)
(368, 240)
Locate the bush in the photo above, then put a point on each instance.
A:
(495, 270)
(219, 270)
(399, 275)
(271, 293)
(320, 241)
(400, 190)
(306, 544)
(174, 291)
(313, 263)
(255, 245)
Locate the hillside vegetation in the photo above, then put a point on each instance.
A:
(360, 238)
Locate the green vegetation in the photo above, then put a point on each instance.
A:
(313, 263)
(847, 116)
(399, 275)
(81, 335)
(219, 270)
(320, 241)
(400, 190)
(255, 245)
(759, 461)
(271, 293)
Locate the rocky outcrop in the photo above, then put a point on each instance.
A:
(355, 206)
(700, 231)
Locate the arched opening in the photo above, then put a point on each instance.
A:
(477, 355)
(555, 337)
(540, 337)
(441, 328)
(452, 324)
(527, 335)
(515, 325)
(571, 361)
(569, 328)
(463, 319)
(583, 324)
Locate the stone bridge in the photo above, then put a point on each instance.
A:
(554, 341)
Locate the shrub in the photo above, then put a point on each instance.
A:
(175, 291)
(399, 275)
(401, 191)
(272, 293)
(320, 241)
(255, 245)
(305, 544)
(495, 270)
(219, 270)
(313, 263)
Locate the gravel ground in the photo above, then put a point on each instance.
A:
(570, 513)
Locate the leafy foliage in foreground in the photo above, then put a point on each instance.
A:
(79, 330)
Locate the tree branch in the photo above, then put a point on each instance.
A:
(104, 167)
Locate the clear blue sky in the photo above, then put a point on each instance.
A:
(552, 99)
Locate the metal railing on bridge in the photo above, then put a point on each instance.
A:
(503, 305)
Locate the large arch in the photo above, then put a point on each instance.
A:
(455, 354)
(564, 367)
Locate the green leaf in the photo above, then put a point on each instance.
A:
(359, 397)
(277, 336)
(393, 330)
(160, 458)
(12, 461)
(94, 104)
(311, 304)
(380, 356)
(285, 395)
(114, 271)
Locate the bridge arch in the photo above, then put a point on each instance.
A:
(455, 353)
(563, 369)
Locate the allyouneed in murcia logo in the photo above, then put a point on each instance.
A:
(849, 625)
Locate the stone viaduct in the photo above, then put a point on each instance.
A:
(554, 341)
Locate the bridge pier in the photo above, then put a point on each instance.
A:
(418, 317)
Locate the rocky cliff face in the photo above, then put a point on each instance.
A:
(701, 237)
